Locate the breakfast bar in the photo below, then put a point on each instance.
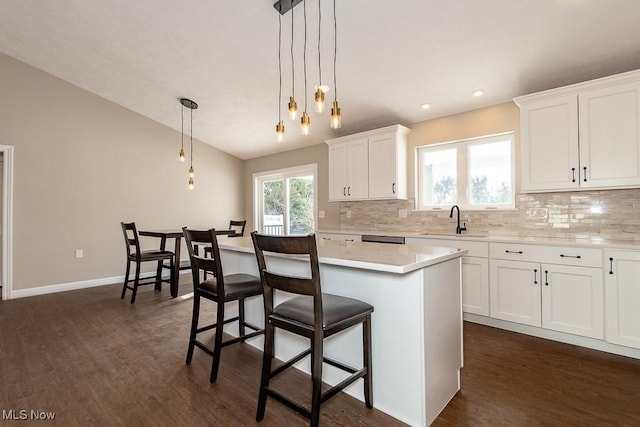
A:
(416, 325)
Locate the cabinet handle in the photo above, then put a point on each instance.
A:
(585, 174)
(326, 238)
(348, 240)
(349, 191)
(393, 188)
(344, 191)
(546, 278)
(610, 265)
(513, 252)
(535, 276)
(570, 256)
(573, 174)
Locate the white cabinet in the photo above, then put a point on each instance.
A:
(348, 171)
(475, 271)
(582, 136)
(369, 165)
(557, 288)
(622, 283)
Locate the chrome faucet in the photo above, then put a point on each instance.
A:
(459, 229)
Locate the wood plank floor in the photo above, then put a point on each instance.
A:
(94, 359)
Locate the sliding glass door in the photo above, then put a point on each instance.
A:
(286, 200)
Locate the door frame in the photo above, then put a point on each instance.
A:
(7, 221)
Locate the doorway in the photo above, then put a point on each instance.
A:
(6, 220)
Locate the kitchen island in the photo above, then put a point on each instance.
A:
(416, 325)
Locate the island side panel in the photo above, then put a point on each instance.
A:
(443, 332)
(397, 332)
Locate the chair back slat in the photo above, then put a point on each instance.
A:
(131, 240)
(237, 227)
(291, 284)
(200, 263)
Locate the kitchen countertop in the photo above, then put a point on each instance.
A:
(598, 241)
(399, 259)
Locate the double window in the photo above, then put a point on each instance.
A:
(285, 200)
(475, 173)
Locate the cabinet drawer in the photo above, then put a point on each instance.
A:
(565, 255)
(476, 249)
(338, 236)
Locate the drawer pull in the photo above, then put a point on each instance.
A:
(535, 276)
(513, 252)
(546, 278)
(610, 265)
(570, 256)
(326, 238)
(348, 240)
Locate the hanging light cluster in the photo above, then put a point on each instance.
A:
(191, 106)
(283, 6)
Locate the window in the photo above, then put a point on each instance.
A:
(475, 173)
(285, 200)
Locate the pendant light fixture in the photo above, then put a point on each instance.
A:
(192, 106)
(336, 117)
(280, 125)
(293, 106)
(305, 120)
(320, 89)
(182, 132)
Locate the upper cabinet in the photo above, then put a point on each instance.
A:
(369, 165)
(582, 136)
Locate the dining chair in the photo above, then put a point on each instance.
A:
(312, 314)
(237, 227)
(220, 289)
(138, 256)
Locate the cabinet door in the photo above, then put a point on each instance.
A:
(609, 139)
(550, 144)
(622, 295)
(573, 300)
(515, 291)
(475, 285)
(338, 173)
(358, 167)
(384, 167)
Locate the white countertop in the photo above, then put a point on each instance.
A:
(383, 257)
(598, 241)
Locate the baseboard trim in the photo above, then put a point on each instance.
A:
(592, 343)
(72, 286)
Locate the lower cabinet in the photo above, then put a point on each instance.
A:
(622, 284)
(339, 236)
(565, 298)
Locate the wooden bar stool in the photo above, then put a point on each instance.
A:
(220, 289)
(311, 314)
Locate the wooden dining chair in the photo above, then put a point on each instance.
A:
(311, 314)
(237, 227)
(219, 289)
(138, 256)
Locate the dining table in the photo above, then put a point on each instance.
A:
(177, 235)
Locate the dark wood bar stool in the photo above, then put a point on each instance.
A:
(311, 314)
(134, 254)
(220, 289)
(237, 227)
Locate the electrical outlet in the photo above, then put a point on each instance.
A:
(320, 214)
(79, 253)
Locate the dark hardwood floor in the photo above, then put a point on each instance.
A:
(94, 359)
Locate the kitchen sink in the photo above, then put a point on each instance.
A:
(454, 234)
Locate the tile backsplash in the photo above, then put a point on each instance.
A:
(610, 214)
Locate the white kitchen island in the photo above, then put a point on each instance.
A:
(416, 325)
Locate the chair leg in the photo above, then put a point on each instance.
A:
(267, 357)
(241, 329)
(158, 284)
(135, 283)
(126, 279)
(194, 326)
(366, 357)
(217, 343)
(316, 377)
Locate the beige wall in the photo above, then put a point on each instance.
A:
(82, 164)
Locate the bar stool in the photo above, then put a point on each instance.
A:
(311, 314)
(219, 289)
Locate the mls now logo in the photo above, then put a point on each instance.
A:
(23, 414)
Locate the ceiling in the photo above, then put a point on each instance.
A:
(392, 57)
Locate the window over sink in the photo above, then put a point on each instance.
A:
(475, 173)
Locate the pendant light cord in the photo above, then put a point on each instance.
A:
(319, 28)
(192, 136)
(182, 129)
(304, 55)
(293, 68)
(335, 51)
(280, 64)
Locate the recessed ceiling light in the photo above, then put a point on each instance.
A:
(425, 106)
(478, 92)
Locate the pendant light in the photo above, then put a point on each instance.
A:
(320, 89)
(305, 120)
(336, 117)
(280, 125)
(293, 106)
(192, 106)
(182, 132)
